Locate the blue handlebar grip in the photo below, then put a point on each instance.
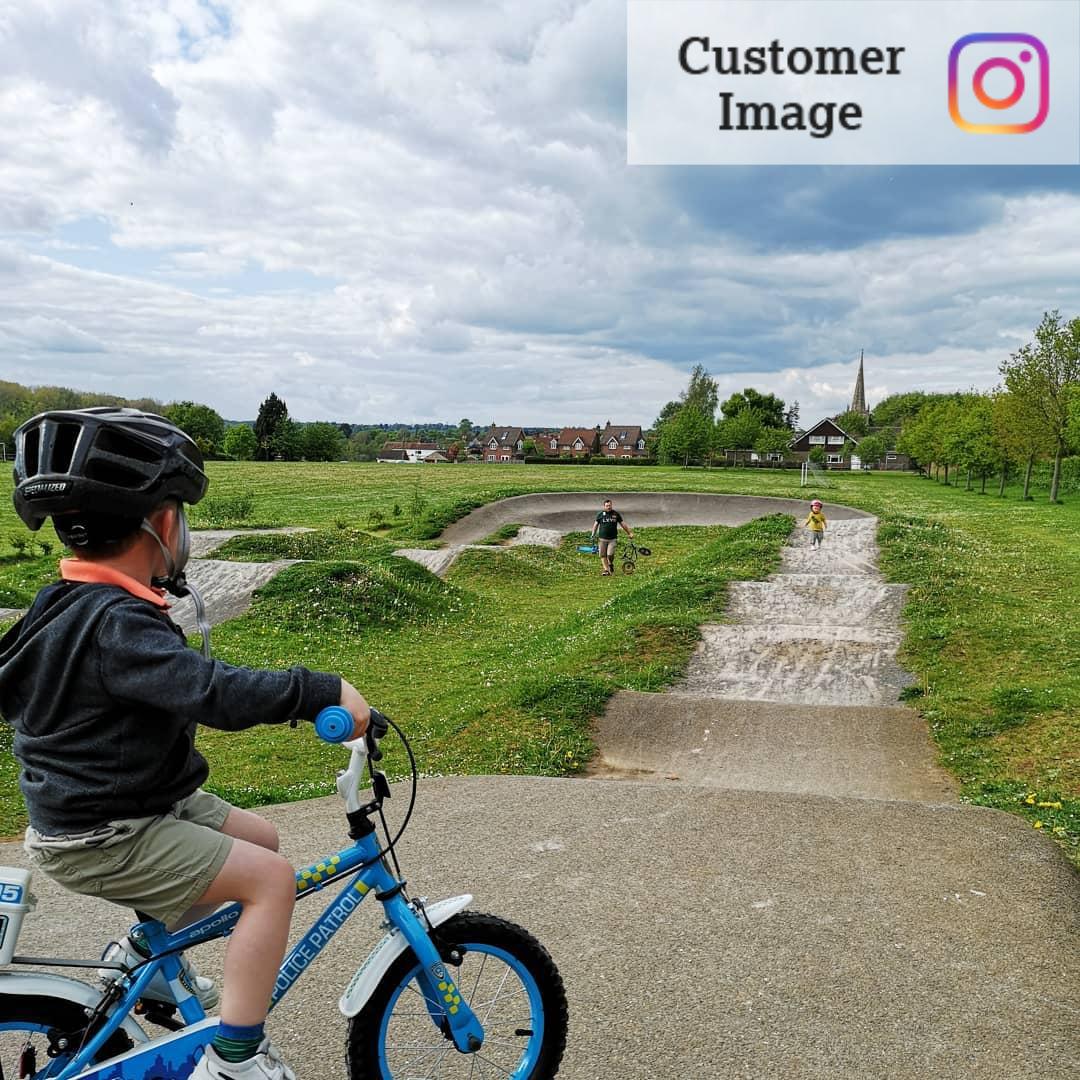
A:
(334, 724)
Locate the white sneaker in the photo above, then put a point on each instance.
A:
(265, 1065)
(124, 952)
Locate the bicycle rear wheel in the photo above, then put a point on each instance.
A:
(25, 1027)
(507, 978)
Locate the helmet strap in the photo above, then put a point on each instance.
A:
(175, 581)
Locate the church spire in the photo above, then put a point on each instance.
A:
(858, 399)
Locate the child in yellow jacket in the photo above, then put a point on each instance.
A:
(815, 522)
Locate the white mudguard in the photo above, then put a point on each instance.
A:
(40, 984)
(363, 983)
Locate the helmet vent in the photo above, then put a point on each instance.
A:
(31, 447)
(114, 474)
(67, 435)
(116, 442)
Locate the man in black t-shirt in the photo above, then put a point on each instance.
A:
(605, 531)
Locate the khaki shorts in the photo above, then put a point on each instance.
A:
(606, 547)
(158, 865)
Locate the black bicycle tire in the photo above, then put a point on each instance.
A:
(57, 1013)
(467, 927)
(628, 566)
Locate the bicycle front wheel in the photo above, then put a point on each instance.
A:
(32, 1025)
(508, 980)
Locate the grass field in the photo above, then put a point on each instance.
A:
(501, 670)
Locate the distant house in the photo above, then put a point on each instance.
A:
(828, 435)
(894, 461)
(413, 451)
(434, 456)
(578, 442)
(546, 443)
(739, 457)
(502, 444)
(622, 441)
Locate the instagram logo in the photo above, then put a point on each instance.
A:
(1004, 77)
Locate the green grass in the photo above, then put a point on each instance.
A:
(502, 534)
(992, 635)
(498, 669)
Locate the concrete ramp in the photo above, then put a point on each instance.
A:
(550, 515)
(869, 753)
(815, 600)
(797, 664)
(227, 589)
(825, 630)
(575, 511)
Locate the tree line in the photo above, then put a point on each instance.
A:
(1032, 417)
(273, 436)
(688, 431)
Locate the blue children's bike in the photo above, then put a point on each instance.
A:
(446, 993)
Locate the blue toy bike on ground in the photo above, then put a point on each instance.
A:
(446, 993)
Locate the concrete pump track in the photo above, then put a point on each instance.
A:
(767, 874)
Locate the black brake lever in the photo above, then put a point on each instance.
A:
(378, 726)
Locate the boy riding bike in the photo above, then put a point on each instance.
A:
(105, 696)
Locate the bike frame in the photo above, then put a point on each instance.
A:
(363, 860)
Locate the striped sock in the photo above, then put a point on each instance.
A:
(235, 1043)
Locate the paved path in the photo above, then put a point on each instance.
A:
(712, 934)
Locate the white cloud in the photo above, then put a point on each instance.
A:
(49, 335)
(400, 212)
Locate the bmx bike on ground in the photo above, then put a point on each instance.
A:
(629, 553)
(446, 993)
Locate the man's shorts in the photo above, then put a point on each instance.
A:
(606, 547)
(159, 865)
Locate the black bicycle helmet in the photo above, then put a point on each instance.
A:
(108, 461)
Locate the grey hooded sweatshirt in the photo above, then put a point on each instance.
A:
(105, 696)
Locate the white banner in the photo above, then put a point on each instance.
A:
(853, 82)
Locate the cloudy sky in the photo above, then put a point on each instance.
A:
(407, 211)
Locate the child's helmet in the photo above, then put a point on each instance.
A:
(107, 460)
(816, 504)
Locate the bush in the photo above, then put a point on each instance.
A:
(224, 511)
(338, 543)
(596, 459)
(1044, 470)
(322, 597)
(599, 459)
(502, 534)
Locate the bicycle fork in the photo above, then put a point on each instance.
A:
(445, 1004)
(408, 929)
